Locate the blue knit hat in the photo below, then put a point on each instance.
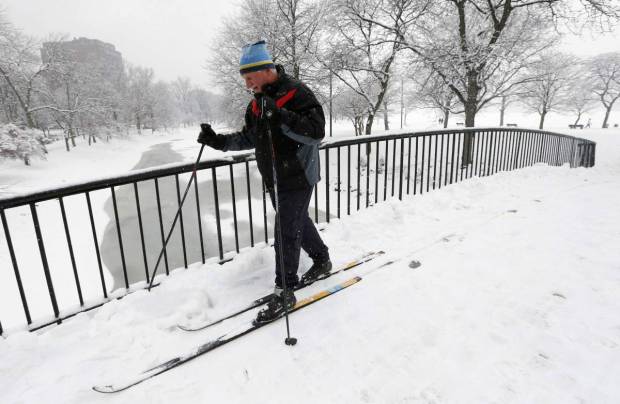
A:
(255, 57)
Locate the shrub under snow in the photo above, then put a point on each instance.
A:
(20, 143)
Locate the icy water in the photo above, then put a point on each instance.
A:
(175, 256)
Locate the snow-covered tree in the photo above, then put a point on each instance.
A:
(80, 97)
(481, 47)
(22, 71)
(20, 143)
(290, 28)
(181, 89)
(361, 47)
(139, 97)
(551, 78)
(605, 78)
(431, 91)
(350, 105)
(580, 98)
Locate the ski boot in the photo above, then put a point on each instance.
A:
(276, 307)
(316, 271)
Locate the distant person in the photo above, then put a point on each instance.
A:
(589, 123)
(297, 124)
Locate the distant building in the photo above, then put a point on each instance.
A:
(98, 57)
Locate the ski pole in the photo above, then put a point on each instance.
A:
(176, 217)
(288, 340)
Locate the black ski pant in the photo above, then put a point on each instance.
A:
(298, 232)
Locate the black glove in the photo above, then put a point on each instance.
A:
(271, 111)
(209, 137)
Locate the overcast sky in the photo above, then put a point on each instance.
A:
(172, 37)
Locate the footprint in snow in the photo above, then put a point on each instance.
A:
(450, 237)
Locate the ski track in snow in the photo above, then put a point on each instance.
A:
(515, 301)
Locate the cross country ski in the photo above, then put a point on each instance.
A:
(264, 299)
(209, 346)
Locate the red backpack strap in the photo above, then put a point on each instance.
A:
(255, 108)
(280, 102)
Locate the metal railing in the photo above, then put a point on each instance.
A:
(54, 250)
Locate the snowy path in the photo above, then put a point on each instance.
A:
(516, 301)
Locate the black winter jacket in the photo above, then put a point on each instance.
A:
(296, 134)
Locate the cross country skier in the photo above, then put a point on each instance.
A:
(291, 111)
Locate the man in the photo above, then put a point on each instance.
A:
(290, 110)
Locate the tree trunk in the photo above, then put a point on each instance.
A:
(360, 125)
(471, 108)
(470, 118)
(30, 123)
(502, 111)
(470, 114)
(578, 118)
(607, 112)
(371, 118)
(542, 119)
(402, 103)
(446, 116)
(331, 97)
(138, 124)
(72, 136)
(386, 120)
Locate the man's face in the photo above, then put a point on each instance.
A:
(254, 81)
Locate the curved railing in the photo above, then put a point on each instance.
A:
(71, 249)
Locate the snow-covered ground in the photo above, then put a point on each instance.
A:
(516, 301)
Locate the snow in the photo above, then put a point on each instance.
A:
(515, 301)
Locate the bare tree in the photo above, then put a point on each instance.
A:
(605, 76)
(481, 47)
(140, 94)
(300, 22)
(182, 88)
(432, 92)
(552, 75)
(291, 29)
(165, 108)
(350, 105)
(580, 98)
(362, 53)
(80, 96)
(22, 70)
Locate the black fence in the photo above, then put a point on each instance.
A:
(74, 248)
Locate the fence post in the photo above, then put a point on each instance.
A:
(46, 269)
(592, 155)
(516, 161)
(18, 278)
